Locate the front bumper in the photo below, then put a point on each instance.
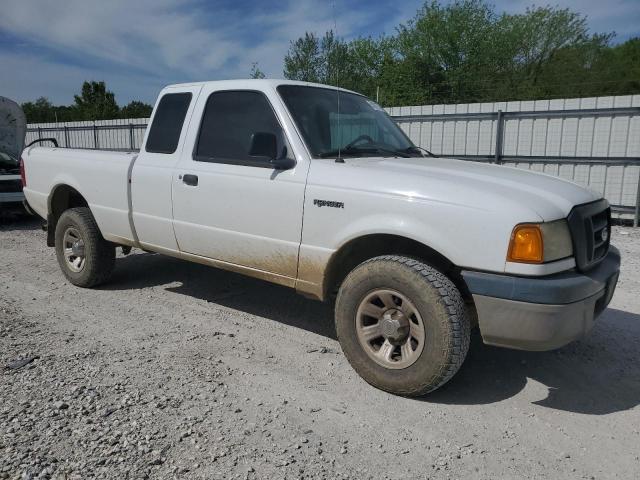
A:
(542, 313)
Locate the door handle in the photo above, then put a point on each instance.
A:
(190, 180)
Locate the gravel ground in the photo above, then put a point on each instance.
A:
(175, 370)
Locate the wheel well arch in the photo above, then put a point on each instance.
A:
(362, 248)
(63, 197)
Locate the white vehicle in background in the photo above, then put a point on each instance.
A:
(13, 128)
(317, 189)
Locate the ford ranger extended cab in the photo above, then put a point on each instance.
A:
(317, 189)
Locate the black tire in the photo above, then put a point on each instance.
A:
(99, 255)
(442, 311)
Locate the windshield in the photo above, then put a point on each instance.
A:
(349, 126)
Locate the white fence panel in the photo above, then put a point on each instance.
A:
(591, 141)
(600, 150)
(118, 134)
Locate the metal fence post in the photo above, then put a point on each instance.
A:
(499, 136)
(95, 136)
(636, 218)
(131, 136)
(66, 137)
(39, 133)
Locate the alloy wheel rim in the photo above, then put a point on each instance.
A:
(390, 329)
(73, 248)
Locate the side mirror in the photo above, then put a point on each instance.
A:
(265, 145)
(284, 163)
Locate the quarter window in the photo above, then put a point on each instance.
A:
(167, 123)
(230, 120)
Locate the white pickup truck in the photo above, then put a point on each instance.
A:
(316, 188)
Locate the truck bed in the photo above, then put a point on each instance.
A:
(100, 176)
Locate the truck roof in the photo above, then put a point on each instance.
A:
(258, 82)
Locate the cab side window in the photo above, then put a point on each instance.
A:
(229, 123)
(167, 123)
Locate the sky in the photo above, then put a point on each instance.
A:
(48, 48)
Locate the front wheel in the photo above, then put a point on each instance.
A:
(84, 256)
(402, 325)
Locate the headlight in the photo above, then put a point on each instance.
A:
(540, 242)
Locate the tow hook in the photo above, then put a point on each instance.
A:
(44, 226)
(126, 249)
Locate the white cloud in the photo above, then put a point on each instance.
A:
(27, 77)
(154, 39)
(139, 45)
(146, 35)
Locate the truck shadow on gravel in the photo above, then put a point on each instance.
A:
(224, 288)
(596, 376)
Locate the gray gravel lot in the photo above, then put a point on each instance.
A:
(176, 370)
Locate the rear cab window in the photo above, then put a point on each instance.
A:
(168, 120)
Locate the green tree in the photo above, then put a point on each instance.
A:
(446, 50)
(40, 111)
(136, 109)
(332, 61)
(304, 59)
(465, 51)
(43, 111)
(620, 68)
(95, 102)
(255, 71)
(365, 63)
(551, 52)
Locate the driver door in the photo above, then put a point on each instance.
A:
(228, 205)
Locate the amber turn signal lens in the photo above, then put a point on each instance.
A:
(526, 244)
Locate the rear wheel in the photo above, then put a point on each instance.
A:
(84, 256)
(402, 325)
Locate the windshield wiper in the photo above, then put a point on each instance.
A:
(355, 151)
(338, 152)
(415, 148)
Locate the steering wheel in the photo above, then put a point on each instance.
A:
(358, 140)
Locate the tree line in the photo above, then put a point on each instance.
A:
(460, 52)
(95, 102)
(467, 52)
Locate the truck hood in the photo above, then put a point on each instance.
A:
(479, 185)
